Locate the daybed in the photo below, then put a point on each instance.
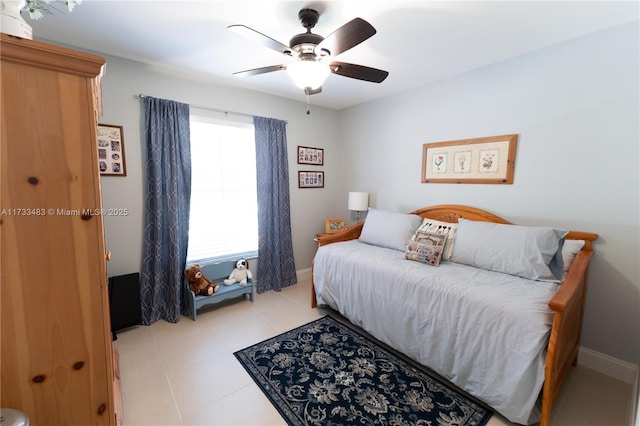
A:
(505, 337)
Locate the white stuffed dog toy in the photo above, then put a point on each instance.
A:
(240, 274)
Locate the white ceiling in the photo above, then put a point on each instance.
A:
(417, 41)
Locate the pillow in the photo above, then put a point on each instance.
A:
(437, 227)
(388, 229)
(569, 251)
(428, 250)
(525, 251)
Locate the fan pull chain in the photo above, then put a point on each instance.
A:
(307, 93)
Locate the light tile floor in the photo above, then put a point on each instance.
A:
(186, 374)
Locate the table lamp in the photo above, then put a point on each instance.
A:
(358, 202)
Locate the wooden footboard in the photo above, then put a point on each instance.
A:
(567, 304)
(351, 233)
(564, 342)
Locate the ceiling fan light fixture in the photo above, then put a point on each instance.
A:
(308, 74)
(314, 52)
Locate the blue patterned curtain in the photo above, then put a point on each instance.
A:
(276, 268)
(166, 230)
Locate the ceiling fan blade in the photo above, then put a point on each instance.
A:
(260, 38)
(347, 36)
(359, 72)
(262, 70)
(309, 91)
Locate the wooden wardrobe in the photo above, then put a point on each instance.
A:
(57, 362)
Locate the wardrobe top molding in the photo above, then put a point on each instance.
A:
(56, 58)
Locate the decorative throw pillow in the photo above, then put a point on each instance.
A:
(428, 250)
(388, 229)
(525, 251)
(438, 227)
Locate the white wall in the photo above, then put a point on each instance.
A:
(125, 79)
(575, 107)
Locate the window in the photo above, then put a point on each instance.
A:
(223, 220)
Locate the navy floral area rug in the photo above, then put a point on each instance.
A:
(326, 373)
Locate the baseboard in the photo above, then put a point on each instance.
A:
(304, 274)
(608, 365)
(634, 407)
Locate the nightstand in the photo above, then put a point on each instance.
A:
(324, 234)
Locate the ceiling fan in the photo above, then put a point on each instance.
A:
(314, 53)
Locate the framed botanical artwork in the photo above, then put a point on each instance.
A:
(308, 179)
(333, 225)
(111, 150)
(313, 156)
(479, 160)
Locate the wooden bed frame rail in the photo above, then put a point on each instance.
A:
(567, 304)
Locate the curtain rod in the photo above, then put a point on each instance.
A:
(142, 96)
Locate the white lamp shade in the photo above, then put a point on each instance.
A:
(358, 201)
(308, 74)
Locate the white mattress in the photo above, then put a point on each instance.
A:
(484, 331)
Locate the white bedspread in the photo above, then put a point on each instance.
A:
(484, 331)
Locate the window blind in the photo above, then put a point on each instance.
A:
(223, 220)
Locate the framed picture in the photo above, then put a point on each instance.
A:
(307, 155)
(111, 150)
(480, 160)
(308, 179)
(333, 225)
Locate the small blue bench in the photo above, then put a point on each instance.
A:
(216, 272)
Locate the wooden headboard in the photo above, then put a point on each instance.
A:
(452, 212)
(448, 213)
